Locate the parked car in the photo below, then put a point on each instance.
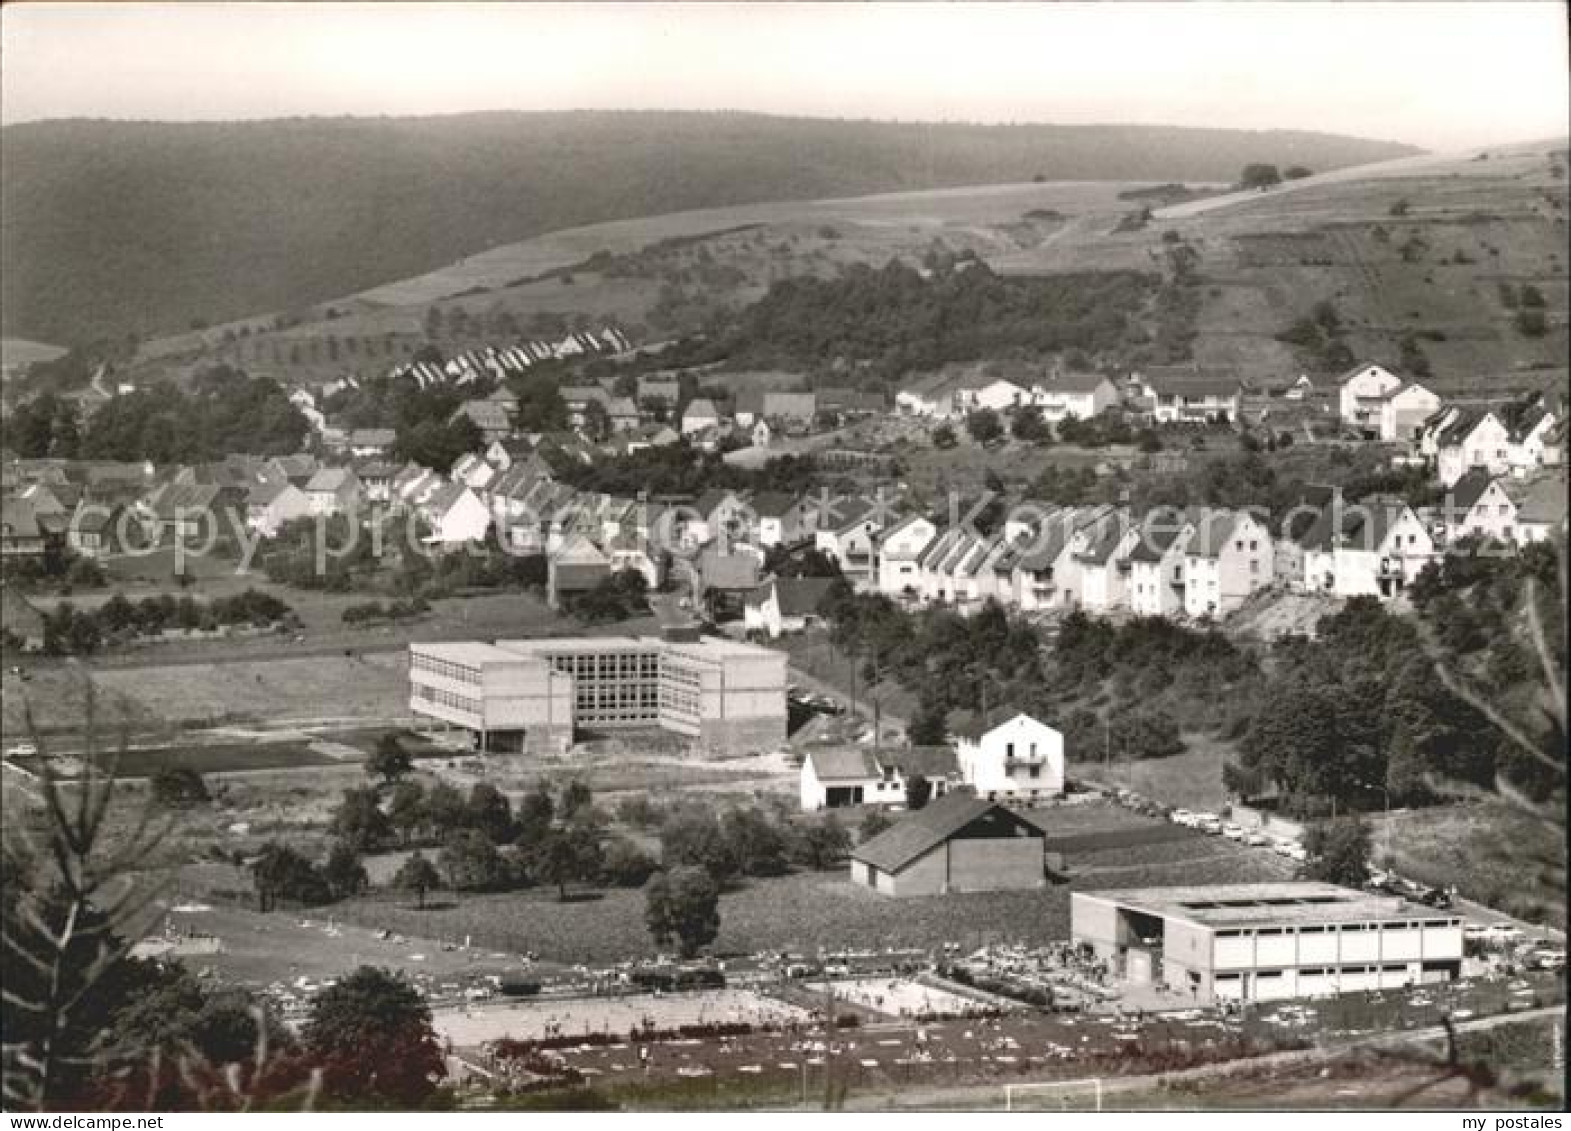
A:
(1547, 958)
(1255, 838)
(1232, 831)
(1182, 817)
(22, 750)
(1297, 852)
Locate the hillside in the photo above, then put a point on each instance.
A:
(108, 228)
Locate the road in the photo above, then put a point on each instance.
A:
(861, 705)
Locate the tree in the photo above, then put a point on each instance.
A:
(359, 819)
(342, 871)
(683, 906)
(944, 437)
(1259, 176)
(389, 760)
(918, 791)
(569, 854)
(693, 838)
(929, 726)
(470, 861)
(1338, 851)
(1147, 734)
(488, 811)
(1029, 427)
(406, 810)
(419, 875)
(597, 422)
(179, 787)
(372, 1035)
(576, 798)
(445, 809)
(874, 823)
(535, 812)
(823, 844)
(626, 865)
(984, 426)
(279, 872)
(756, 843)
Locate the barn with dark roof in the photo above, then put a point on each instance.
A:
(957, 843)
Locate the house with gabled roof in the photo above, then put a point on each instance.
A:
(848, 535)
(785, 604)
(1069, 394)
(833, 777)
(1188, 394)
(1156, 564)
(1229, 558)
(700, 415)
(1361, 391)
(1472, 436)
(21, 533)
(957, 843)
(1376, 548)
(490, 417)
(780, 518)
(1478, 506)
(333, 490)
(1104, 562)
(900, 555)
(271, 503)
(1531, 426)
(456, 516)
(187, 511)
(1019, 759)
(576, 566)
(1541, 509)
(365, 443)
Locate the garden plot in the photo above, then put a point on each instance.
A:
(616, 1016)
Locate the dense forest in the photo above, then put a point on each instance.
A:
(893, 320)
(223, 411)
(116, 227)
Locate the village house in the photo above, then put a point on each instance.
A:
(1104, 563)
(1532, 428)
(490, 417)
(475, 472)
(1541, 510)
(700, 415)
(1403, 412)
(1478, 506)
(958, 843)
(780, 519)
(1021, 759)
(188, 513)
(785, 604)
(623, 414)
(91, 531)
(1376, 548)
(365, 443)
(505, 452)
(1229, 558)
(833, 777)
(20, 622)
(273, 502)
(1073, 395)
(454, 515)
(1156, 566)
(653, 387)
(577, 566)
(1466, 438)
(1362, 393)
(761, 433)
(1175, 394)
(900, 554)
(928, 396)
(848, 537)
(21, 533)
(376, 479)
(333, 490)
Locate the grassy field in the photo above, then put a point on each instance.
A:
(1191, 780)
(1477, 849)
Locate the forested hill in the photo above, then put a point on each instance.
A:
(133, 227)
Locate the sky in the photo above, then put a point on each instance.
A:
(1437, 75)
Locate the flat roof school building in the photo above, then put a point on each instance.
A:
(532, 695)
(1262, 942)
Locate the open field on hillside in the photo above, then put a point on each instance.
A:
(20, 352)
(1191, 780)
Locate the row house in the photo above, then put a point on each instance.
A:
(1541, 510)
(1156, 567)
(1477, 506)
(782, 519)
(1514, 440)
(900, 556)
(1228, 559)
(835, 777)
(1104, 563)
(848, 535)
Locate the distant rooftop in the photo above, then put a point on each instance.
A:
(1248, 905)
(470, 653)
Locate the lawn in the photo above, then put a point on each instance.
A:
(141, 763)
(800, 912)
(1191, 780)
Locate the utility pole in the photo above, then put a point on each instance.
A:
(829, 1042)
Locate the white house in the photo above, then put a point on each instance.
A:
(1376, 547)
(850, 537)
(995, 393)
(835, 777)
(1403, 412)
(785, 604)
(1229, 558)
(1156, 567)
(1080, 396)
(1479, 507)
(1187, 394)
(699, 415)
(333, 490)
(899, 556)
(456, 515)
(1104, 563)
(1531, 446)
(1542, 510)
(1471, 438)
(1021, 759)
(1362, 393)
(273, 502)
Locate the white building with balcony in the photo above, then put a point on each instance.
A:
(1018, 760)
